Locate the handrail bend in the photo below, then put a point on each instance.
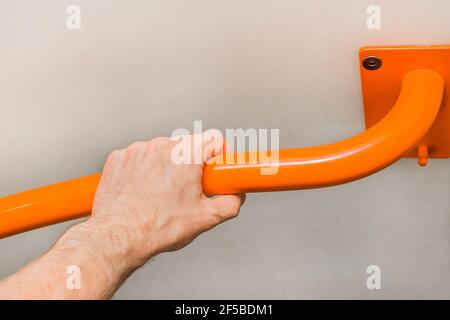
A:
(399, 131)
(376, 148)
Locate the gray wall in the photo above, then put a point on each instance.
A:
(139, 69)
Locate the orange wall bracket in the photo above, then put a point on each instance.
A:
(381, 85)
(406, 111)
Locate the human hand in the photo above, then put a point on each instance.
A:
(146, 204)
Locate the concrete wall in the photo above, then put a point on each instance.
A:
(139, 69)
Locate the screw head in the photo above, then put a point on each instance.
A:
(372, 63)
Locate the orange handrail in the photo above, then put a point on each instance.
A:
(399, 131)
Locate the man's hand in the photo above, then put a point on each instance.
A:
(145, 204)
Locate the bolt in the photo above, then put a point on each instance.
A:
(372, 63)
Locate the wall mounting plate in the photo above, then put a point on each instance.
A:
(381, 87)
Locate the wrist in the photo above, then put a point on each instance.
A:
(101, 248)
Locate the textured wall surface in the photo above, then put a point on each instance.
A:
(139, 69)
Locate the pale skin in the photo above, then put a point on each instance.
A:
(145, 205)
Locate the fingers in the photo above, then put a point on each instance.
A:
(212, 143)
(226, 207)
(223, 207)
(197, 148)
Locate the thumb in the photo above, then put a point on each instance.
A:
(227, 206)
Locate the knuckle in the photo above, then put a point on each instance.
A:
(216, 214)
(159, 141)
(156, 144)
(113, 156)
(159, 146)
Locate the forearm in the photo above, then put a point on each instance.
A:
(101, 270)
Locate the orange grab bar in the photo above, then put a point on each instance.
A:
(398, 132)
